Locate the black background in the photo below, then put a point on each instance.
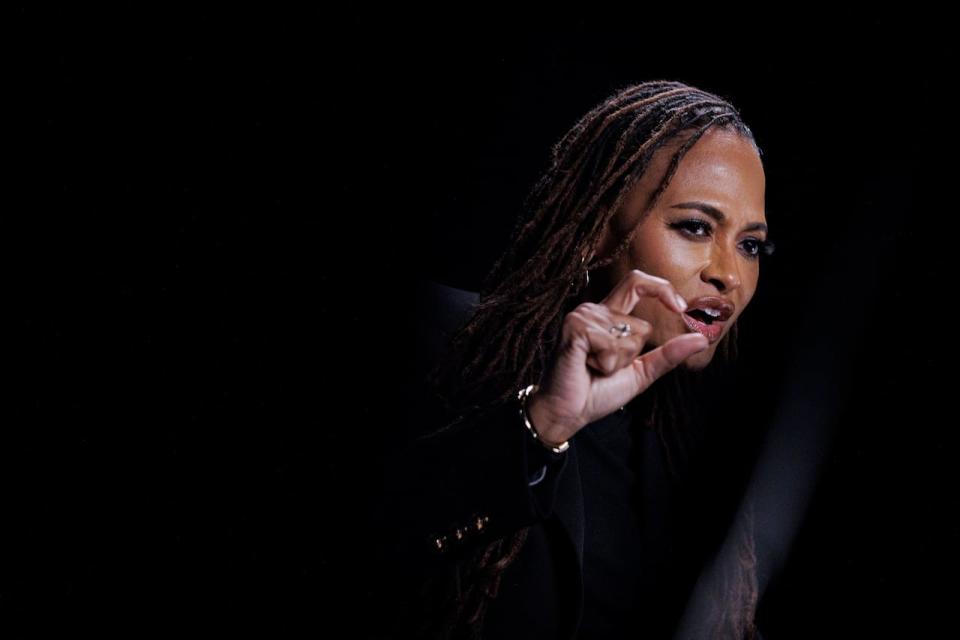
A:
(215, 223)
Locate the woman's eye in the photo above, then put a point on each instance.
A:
(693, 226)
(757, 248)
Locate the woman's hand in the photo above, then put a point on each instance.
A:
(594, 372)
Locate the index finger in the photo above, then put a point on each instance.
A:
(625, 295)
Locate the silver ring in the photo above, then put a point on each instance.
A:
(621, 330)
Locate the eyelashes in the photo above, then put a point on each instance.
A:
(692, 226)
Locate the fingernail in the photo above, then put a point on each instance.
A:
(681, 302)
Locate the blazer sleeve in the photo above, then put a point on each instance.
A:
(450, 493)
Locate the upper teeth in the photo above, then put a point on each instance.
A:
(712, 312)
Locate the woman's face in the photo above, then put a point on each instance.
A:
(698, 253)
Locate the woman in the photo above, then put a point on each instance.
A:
(566, 392)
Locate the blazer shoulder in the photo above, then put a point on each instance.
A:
(441, 309)
(438, 310)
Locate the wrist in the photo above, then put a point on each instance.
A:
(550, 433)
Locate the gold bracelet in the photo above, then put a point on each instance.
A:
(522, 396)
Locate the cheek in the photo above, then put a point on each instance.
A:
(665, 259)
(746, 299)
(752, 279)
(646, 309)
(664, 321)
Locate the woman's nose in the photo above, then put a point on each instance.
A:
(722, 271)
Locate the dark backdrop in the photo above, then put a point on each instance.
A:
(216, 222)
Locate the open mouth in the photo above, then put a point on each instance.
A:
(702, 316)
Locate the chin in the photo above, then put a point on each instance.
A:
(700, 360)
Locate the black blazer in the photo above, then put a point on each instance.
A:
(446, 496)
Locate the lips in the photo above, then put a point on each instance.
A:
(708, 315)
(712, 330)
(722, 305)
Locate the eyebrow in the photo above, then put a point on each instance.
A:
(716, 214)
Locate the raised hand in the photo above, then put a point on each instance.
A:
(596, 370)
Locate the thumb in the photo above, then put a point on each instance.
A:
(659, 361)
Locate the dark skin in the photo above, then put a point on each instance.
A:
(675, 252)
